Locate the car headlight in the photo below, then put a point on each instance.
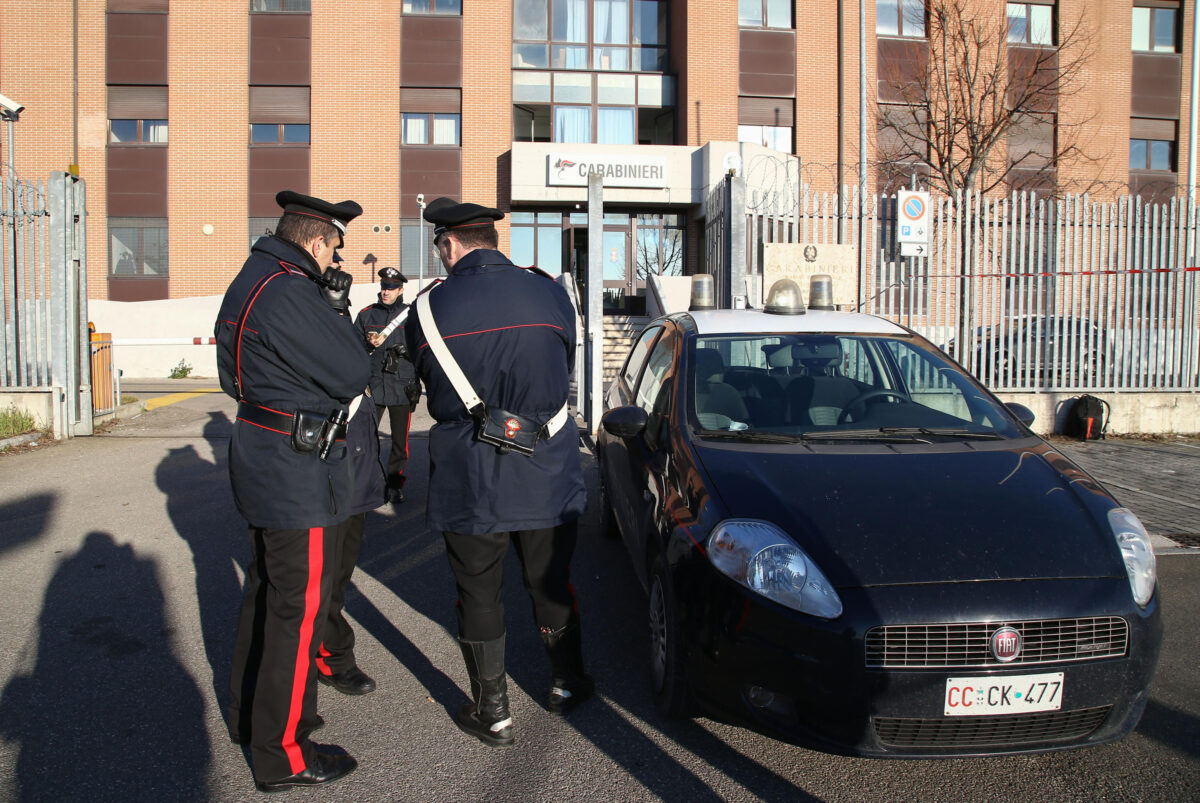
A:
(1134, 543)
(763, 559)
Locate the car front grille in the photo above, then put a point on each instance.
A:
(967, 644)
(995, 731)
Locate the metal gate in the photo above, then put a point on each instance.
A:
(1030, 294)
(43, 268)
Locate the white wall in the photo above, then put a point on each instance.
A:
(179, 318)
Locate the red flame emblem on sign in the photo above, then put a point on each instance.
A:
(511, 427)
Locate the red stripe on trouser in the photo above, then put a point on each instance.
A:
(312, 604)
(322, 654)
(407, 425)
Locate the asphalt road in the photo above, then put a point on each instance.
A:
(121, 560)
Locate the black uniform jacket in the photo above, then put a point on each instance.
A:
(513, 334)
(362, 444)
(387, 389)
(296, 353)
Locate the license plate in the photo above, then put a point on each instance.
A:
(1003, 694)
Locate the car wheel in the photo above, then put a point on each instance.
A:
(668, 679)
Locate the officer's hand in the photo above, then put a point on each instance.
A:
(335, 287)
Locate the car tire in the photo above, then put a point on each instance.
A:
(668, 678)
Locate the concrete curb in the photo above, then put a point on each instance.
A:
(21, 440)
(125, 411)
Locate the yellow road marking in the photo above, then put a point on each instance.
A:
(172, 398)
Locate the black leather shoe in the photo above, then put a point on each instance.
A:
(327, 767)
(351, 681)
(238, 738)
(396, 496)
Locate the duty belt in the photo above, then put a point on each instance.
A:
(265, 417)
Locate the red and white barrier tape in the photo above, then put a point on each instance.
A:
(1064, 273)
(164, 341)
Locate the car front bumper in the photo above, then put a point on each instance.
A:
(806, 680)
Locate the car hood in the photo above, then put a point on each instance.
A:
(878, 515)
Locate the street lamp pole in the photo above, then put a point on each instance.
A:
(421, 239)
(10, 112)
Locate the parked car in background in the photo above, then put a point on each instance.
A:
(1037, 351)
(851, 544)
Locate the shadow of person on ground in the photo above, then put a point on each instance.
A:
(24, 520)
(107, 712)
(200, 504)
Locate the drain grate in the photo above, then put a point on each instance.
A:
(1189, 540)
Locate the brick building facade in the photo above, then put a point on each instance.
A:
(184, 118)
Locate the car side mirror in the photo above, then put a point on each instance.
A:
(625, 422)
(1023, 413)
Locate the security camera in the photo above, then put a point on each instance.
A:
(11, 108)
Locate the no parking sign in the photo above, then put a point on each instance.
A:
(912, 219)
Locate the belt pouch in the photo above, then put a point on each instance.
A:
(507, 431)
(306, 430)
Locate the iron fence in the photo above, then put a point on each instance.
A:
(1028, 293)
(43, 297)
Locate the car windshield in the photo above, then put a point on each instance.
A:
(780, 387)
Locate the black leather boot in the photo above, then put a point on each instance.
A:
(487, 717)
(570, 685)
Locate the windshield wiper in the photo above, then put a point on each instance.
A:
(750, 435)
(886, 434)
(944, 431)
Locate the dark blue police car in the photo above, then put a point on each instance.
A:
(851, 544)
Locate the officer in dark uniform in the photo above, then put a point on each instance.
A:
(336, 664)
(295, 366)
(512, 332)
(394, 385)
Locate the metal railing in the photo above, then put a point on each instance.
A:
(43, 297)
(1046, 294)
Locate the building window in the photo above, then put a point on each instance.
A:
(449, 7)
(900, 18)
(775, 137)
(281, 6)
(1030, 24)
(619, 35)
(765, 13)
(261, 227)
(1154, 30)
(537, 239)
(431, 129)
(137, 247)
(658, 246)
(605, 108)
(1151, 154)
(137, 132)
(278, 134)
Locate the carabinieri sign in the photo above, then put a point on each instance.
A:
(571, 170)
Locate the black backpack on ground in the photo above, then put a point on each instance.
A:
(1087, 419)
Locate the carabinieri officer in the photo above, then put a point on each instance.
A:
(295, 365)
(511, 331)
(394, 385)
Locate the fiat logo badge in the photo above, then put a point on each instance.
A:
(1006, 644)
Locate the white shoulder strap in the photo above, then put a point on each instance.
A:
(442, 354)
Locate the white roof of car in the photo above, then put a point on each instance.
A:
(744, 321)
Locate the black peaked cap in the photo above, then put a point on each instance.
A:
(338, 215)
(446, 213)
(391, 276)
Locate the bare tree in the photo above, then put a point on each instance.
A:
(971, 110)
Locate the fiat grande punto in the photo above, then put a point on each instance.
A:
(849, 543)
